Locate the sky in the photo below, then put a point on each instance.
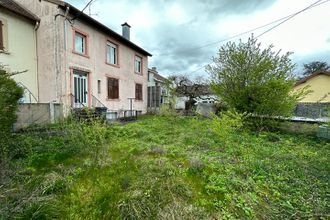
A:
(184, 35)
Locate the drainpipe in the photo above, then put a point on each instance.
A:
(66, 82)
(36, 27)
(57, 56)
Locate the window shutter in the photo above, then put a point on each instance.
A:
(116, 88)
(109, 89)
(113, 88)
(1, 36)
(136, 91)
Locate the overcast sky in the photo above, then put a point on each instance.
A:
(174, 30)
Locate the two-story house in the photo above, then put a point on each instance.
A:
(18, 47)
(83, 63)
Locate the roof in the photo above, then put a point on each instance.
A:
(19, 9)
(84, 17)
(159, 77)
(317, 73)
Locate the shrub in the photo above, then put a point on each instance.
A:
(10, 93)
(227, 123)
(166, 110)
(255, 80)
(220, 107)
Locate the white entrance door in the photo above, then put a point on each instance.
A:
(80, 87)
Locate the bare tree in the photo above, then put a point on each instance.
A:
(188, 87)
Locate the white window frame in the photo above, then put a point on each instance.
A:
(138, 64)
(83, 43)
(112, 60)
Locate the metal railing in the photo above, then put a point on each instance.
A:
(75, 101)
(28, 92)
(97, 103)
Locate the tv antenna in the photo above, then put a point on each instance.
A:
(89, 5)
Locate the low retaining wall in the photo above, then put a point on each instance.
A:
(37, 113)
(312, 110)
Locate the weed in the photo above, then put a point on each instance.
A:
(196, 165)
(165, 168)
(227, 123)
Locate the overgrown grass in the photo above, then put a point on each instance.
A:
(166, 168)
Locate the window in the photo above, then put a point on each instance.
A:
(112, 53)
(80, 43)
(138, 64)
(138, 91)
(99, 86)
(113, 88)
(1, 36)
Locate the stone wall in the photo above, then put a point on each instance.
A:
(38, 113)
(312, 110)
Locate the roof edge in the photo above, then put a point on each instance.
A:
(21, 10)
(57, 2)
(303, 80)
(87, 18)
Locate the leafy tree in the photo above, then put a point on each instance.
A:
(314, 66)
(10, 93)
(254, 80)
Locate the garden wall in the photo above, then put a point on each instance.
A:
(37, 113)
(312, 110)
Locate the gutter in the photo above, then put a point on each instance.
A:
(101, 27)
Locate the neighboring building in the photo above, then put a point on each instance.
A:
(317, 103)
(206, 97)
(319, 84)
(158, 93)
(83, 63)
(18, 46)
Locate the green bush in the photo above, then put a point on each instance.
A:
(10, 93)
(255, 79)
(166, 110)
(227, 123)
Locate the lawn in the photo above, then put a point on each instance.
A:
(164, 168)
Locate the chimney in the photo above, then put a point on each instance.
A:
(126, 30)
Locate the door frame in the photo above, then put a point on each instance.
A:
(89, 84)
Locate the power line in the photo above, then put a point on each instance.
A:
(317, 3)
(293, 15)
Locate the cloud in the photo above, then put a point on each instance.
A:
(171, 30)
(216, 7)
(322, 56)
